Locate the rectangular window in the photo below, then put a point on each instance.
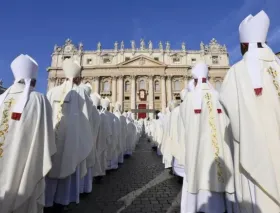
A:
(176, 60)
(66, 57)
(215, 60)
(156, 58)
(127, 58)
(89, 61)
(126, 98)
(177, 98)
(106, 60)
(193, 60)
(157, 98)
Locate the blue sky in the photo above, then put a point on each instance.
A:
(33, 27)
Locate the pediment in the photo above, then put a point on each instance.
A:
(142, 61)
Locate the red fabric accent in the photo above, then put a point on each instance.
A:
(204, 80)
(16, 116)
(219, 111)
(258, 91)
(142, 114)
(197, 111)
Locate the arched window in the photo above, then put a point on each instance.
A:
(218, 86)
(177, 86)
(142, 84)
(127, 86)
(106, 86)
(157, 86)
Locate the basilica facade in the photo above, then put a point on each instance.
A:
(142, 78)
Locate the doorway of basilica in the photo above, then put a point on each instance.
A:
(142, 108)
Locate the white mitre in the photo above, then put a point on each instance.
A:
(95, 97)
(71, 69)
(24, 68)
(254, 29)
(105, 103)
(200, 75)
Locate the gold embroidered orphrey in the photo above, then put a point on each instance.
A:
(4, 126)
(211, 121)
(274, 75)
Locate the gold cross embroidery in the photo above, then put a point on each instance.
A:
(4, 126)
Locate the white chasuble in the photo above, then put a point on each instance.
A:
(95, 123)
(166, 141)
(26, 147)
(177, 147)
(112, 142)
(71, 114)
(104, 140)
(255, 123)
(131, 137)
(208, 159)
(123, 130)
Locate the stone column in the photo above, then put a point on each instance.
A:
(114, 90)
(169, 88)
(133, 94)
(163, 94)
(120, 90)
(151, 95)
(185, 81)
(96, 83)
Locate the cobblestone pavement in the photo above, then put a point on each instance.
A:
(139, 185)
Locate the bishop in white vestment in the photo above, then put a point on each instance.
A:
(86, 182)
(208, 159)
(123, 126)
(250, 93)
(131, 135)
(26, 141)
(103, 138)
(113, 140)
(72, 110)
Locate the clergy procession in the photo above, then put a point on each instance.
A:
(223, 145)
(226, 146)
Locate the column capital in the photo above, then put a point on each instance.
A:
(169, 77)
(120, 77)
(96, 78)
(114, 77)
(132, 77)
(151, 77)
(185, 77)
(162, 77)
